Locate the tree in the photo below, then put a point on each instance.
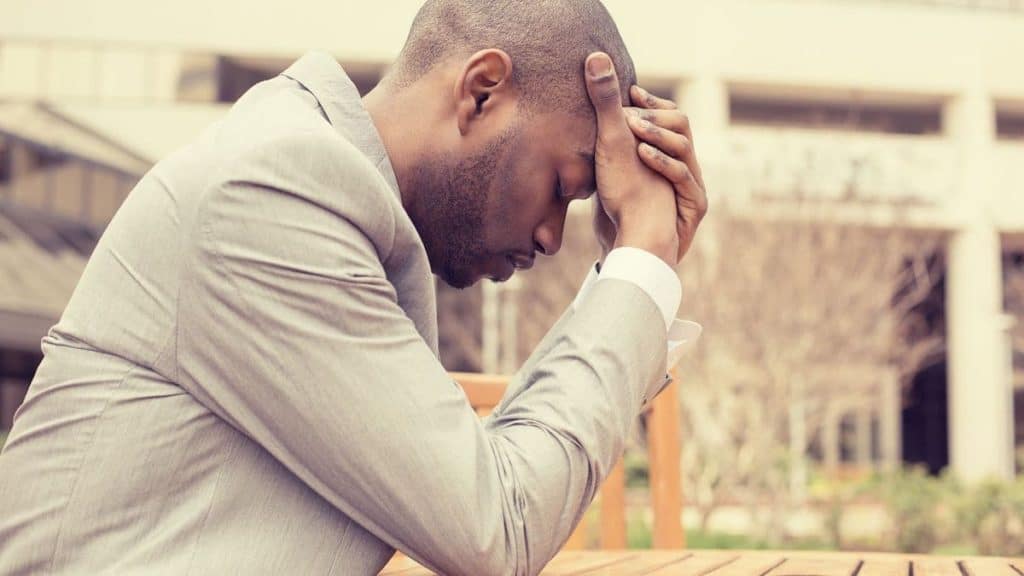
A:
(802, 305)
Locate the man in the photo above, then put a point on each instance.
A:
(246, 378)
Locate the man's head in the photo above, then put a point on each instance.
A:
(503, 131)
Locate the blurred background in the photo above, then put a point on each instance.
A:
(860, 278)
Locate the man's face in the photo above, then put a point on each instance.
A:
(495, 208)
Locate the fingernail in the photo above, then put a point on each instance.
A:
(599, 66)
(645, 124)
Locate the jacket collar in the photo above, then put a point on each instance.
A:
(338, 97)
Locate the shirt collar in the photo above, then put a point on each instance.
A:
(338, 97)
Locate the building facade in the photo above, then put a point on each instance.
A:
(901, 113)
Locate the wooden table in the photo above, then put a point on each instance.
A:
(759, 563)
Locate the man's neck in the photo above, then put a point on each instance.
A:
(400, 124)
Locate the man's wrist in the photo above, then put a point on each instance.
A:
(637, 230)
(664, 248)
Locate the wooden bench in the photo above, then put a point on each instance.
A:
(485, 392)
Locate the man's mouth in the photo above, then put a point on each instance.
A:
(512, 263)
(521, 262)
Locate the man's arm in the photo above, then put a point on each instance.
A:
(289, 331)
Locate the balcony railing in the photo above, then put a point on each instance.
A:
(857, 167)
(980, 5)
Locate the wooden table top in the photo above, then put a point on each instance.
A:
(754, 563)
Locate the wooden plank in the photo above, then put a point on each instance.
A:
(885, 567)
(750, 564)
(590, 562)
(613, 509)
(663, 449)
(817, 566)
(698, 563)
(988, 567)
(631, 563)
(935, 566)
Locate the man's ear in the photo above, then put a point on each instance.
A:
(485, 82)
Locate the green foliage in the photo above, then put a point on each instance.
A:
(917, 508)
(638, 531)
(930, 514)
(993, 513)
(637, 475)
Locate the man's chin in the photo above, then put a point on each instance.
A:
(459, 279)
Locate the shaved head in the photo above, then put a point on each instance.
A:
(488, 123)
(547, 41)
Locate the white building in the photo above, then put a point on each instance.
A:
(927, 96)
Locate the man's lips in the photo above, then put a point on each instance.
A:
(521, 262)
(510, 264)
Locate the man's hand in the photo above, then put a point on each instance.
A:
(657, 122)
(639, 202)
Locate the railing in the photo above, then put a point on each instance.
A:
(987, 5)
(814, 164)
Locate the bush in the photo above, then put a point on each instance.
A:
(915, 503)
(992, 515)
(928, 514)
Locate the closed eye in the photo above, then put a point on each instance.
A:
(559, 190)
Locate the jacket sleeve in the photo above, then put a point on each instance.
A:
(289, 330)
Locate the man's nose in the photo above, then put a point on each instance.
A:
(548, 235)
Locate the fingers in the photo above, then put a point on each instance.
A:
(672, 143)
(673, 120)
(645, 99)
(603, 89)
(675, 143)
(675, 170)
(688, 189)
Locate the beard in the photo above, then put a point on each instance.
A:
(452, 199)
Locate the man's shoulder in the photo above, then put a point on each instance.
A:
(281, 141)
(281, 123)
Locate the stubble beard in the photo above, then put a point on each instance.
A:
(451, 219)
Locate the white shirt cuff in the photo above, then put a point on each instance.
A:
(681, 337)
(682, 334)
(649, 273)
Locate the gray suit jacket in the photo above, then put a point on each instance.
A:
(246, 378)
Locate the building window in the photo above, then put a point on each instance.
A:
(1010, 124)
(5, 160)
(836, 114)
(236, 75)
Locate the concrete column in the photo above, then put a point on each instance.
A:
(980, 396)
(830, 435)
(705, 100)
(862, 447)
(890, 416)
(510, 325)
(490, 324)
(798, 472)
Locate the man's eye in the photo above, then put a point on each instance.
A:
(559, 193)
